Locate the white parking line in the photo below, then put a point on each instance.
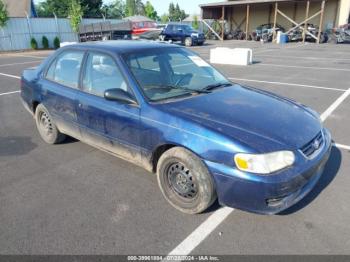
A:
(307, 57)
(12, 76)
(275, 49)
(305, 67)
(341, 146)
(335, 104)
(201, 232)
(24, 55)
(215, 219)
(22, 63)
(286, 84)
(9, 93)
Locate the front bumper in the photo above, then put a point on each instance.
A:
(269, 194)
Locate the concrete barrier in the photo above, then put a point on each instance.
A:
(228, 56)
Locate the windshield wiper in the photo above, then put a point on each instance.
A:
(199, 91)
(214, 86)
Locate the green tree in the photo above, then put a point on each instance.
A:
(91, 8)
(42, 10)
(48, 7)
(172, 11)
(150, 11)
(114, 10)
(45, 42)
(56, 42)
(3, 14)
(164, 18)
(176, 13)
(33, 43)
(130, 7)
(134, 7)
(75, 13)
(195, 23)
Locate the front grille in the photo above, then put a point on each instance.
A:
(312, 148)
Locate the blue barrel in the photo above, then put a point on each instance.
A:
(284, 38)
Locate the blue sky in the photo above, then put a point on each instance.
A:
(190, 6)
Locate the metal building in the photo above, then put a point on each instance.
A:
(248, 14)
(20, 8)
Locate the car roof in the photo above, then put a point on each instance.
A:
(121, 46)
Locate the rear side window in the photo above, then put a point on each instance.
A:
(65, 68)
(101, 74)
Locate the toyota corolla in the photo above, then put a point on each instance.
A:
(164, 108)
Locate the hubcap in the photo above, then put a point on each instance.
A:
(181, 181)
(45, 123)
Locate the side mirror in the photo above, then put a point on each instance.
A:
(117, 94)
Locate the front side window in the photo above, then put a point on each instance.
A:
(101, 74)
(65, 69)
(170, 72)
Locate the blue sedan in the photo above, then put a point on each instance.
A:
(164, 108)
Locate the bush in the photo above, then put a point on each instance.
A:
(56, 43)
(33, 43)
(45, 42)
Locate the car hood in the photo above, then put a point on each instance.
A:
(194, 32)
(250, 116)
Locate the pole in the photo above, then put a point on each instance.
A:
(321, 22)
(247, 23)
(306, 17)
(223, 23)
(274, 22)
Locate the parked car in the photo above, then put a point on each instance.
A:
(297, 34)
(342, 34)
(164, 108)
(183, 33)
(237, 34)
(265, 32)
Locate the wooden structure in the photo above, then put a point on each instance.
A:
(221, 11)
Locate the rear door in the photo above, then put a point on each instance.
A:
(110, 125)
(59, 90)
(179, 32)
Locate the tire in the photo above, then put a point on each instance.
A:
(185, 181)
(188, 41)
(200, 43)
(229, 36)
(46, 127)
(265, 38)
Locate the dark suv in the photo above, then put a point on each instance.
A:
(184, 33)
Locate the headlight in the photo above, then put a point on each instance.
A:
(195, 35)
(264, 163)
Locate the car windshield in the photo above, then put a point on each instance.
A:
(173, 72)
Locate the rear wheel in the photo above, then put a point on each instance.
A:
(185, 181)
(46, 126)
(188, 41)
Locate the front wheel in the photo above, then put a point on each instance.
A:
(188, 41)
(185, 181)
(46, 126)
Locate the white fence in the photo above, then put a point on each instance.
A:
(17, 33)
